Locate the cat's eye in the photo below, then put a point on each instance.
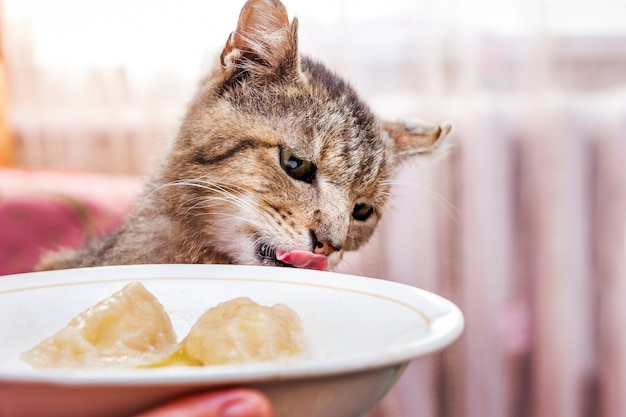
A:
(362, 211)
(296, 168)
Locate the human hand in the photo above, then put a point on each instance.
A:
(237, 402)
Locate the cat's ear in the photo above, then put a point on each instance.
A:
(413, 137)
(264, 42)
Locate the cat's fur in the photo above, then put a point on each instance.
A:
(220, 193)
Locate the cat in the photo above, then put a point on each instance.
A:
(277, 162)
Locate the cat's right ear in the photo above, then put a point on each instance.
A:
(264, 43)
(418, 137)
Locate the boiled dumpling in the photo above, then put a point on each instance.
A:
(240, 330)
(128, 329)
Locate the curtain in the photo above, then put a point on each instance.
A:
(521, 223)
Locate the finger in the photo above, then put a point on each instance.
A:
(233, 403)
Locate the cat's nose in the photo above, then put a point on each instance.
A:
(321, 247)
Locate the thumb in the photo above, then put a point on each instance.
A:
(232, 403)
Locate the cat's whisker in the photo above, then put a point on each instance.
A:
(229, 216)
(240, 199)
(243, 202)
(237, 198)
(228, 192)
(226, 198)
(206, 202)
(235, 193)
(267, 220)
(448, 206)
(385, 194)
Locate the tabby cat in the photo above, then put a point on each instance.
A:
(277, 162)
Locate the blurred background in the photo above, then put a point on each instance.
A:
(522, 224)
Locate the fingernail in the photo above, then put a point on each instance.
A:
(240, 409)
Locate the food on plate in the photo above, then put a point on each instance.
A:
(131, 329)
(241, 330)
(128, 329)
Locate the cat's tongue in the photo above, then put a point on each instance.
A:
(303, 259)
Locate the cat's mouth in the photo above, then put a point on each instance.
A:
(268, 255)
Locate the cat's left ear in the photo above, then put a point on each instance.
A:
(413, 137)
(264, 42)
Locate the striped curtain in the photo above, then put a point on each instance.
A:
(523, 227)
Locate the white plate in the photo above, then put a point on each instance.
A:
(360, 334)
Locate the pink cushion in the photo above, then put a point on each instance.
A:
(42, 211)
(32, 225)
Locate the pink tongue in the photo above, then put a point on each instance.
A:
(302, 259)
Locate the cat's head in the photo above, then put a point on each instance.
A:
(278, 162)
